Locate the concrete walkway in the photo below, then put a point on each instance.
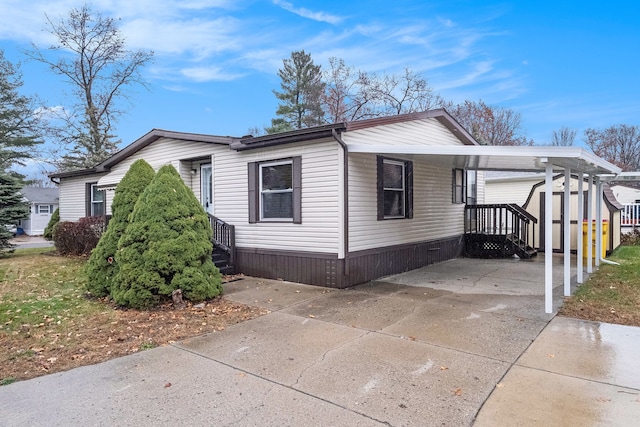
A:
(24, 242)
(384, 353)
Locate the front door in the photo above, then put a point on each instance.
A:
(206, 187)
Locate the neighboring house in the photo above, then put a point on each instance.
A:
(527, 190)
(42, 203)
(333, 205)
(629, 197)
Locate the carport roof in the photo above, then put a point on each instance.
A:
(513, 158)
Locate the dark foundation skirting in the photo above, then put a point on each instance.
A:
(327, 270)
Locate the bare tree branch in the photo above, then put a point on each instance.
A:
(100, 71)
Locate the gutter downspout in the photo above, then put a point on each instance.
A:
(345, 165)
(606, 261)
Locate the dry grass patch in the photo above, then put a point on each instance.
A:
(612, 293)
(47, 324)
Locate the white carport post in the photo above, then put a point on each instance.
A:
(599, 242)
(579, 240)
(589, 253)
(566, 219)
(548, 238)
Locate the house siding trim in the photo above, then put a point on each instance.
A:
(323, 269)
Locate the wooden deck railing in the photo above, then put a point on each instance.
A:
(501, 219)
(224, 236)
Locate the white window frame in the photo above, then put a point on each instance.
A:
(47, 211)
(402, 190)
(263, 192)
(96, 202)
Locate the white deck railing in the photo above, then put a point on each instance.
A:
(631, 215)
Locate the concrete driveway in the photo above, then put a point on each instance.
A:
(384, 353)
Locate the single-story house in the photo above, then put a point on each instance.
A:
(333, 205)
(629, 196)
(527, 190)
(42, 203)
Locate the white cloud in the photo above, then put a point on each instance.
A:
(207, 74)
(309, 14)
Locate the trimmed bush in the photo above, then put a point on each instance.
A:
(101, 268)
(78, 238)
(167, 246)
(55, 219)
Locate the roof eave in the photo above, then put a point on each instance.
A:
(306, 134)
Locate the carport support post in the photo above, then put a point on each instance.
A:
(579, 241)
(566, 219)
(589, 225)
(599, 241)
(548, 239)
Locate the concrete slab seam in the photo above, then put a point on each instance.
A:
(511, 365)
(177, 346)
(325, 355)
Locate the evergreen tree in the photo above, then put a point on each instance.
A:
(301, 96)
(12, 208)
(167, 246)
(19, 126)
(18, 138)
(48, 230)
(101, 268)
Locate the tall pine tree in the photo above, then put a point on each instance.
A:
(18, 138)
(301, 96)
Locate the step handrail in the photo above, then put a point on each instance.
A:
(224, 236)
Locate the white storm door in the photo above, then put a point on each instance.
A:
(206, 187)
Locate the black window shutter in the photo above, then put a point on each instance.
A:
(87, 197)
(409, 182)
(380, 187)
(297, 190)
(253, 192)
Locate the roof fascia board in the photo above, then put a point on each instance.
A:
(156, 134)
(307, 134)
(541, 154)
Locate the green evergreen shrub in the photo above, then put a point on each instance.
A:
(167, 246)
(55, 219)
(101, 268)
(12, 207)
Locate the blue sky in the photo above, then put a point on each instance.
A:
(557, 63)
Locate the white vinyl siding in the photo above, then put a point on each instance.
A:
(480, 181)
(434, 215)
(319, 229)
(161, 152)
(35, 224)
(419, 132)
(73, 196)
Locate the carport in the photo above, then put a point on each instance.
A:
(551, 160)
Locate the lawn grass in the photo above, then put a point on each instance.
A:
(612, 293)
(41, 292)
(49, 324)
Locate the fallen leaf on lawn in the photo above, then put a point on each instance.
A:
(412, 338)
(167, 385)
(312, 316)
(458, 392)
(443, 368)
